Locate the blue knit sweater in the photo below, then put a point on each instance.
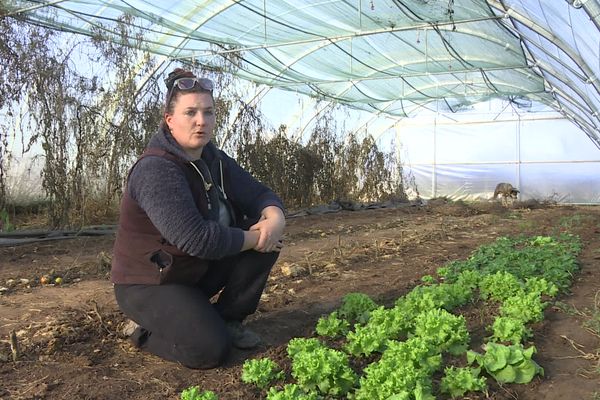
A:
(160, 188)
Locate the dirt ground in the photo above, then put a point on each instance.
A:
(69, 334)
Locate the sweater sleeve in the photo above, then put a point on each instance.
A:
(252, 196)
(162, 191)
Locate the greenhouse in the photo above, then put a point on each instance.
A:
(438, 60)
(300, 200)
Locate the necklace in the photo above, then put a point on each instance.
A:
(207, 185)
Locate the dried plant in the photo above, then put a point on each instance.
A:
(91, 126)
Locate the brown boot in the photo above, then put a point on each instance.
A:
(128, 328)
(242, 337)
(134, 333)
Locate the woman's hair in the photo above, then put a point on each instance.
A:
(173, 93)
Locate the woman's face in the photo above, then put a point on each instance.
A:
(192, 122)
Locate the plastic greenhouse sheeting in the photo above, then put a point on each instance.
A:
(388, 56)
(464, 155)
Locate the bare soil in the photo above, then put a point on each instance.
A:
(70, 345)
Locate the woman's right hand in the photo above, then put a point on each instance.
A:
(252, 239)
(270, 226)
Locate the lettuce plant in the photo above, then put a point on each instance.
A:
(456, 294)
(445, 331)
(299, 345)
(526, 307)
(458, 381)
(507, 364)
(194, 393)
(444, 295)
(384, 324)
(403, 372)
(469, 278)
(356, 308)
(261, 372)
(290, 392)
(324, 370)
(500, 286)
(541, 286)
(332, 326)
(509, 329)
(421, 298)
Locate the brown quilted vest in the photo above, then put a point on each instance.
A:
(140, 254)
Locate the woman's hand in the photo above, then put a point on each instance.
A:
(250, 240)
(270, 228)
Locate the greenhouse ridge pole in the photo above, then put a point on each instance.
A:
(548, 35)
(512, 13)
(434, 170)
(518, 151)
(591, 7)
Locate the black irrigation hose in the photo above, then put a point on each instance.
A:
(40, 235)
(17, 238)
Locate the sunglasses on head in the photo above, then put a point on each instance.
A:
(189, 83)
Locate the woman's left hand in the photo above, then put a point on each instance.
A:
(270, 226)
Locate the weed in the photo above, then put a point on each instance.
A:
(593, 322)
(571, 221)
(5, 225)
(527, 225)
(567, 308)
(494, 219)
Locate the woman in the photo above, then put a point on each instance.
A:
(193, 224)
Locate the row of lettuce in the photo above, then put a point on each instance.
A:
(420, 347)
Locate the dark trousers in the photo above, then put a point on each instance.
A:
(179, 321)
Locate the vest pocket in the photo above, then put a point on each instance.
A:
(185, 270)
(163, 261)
